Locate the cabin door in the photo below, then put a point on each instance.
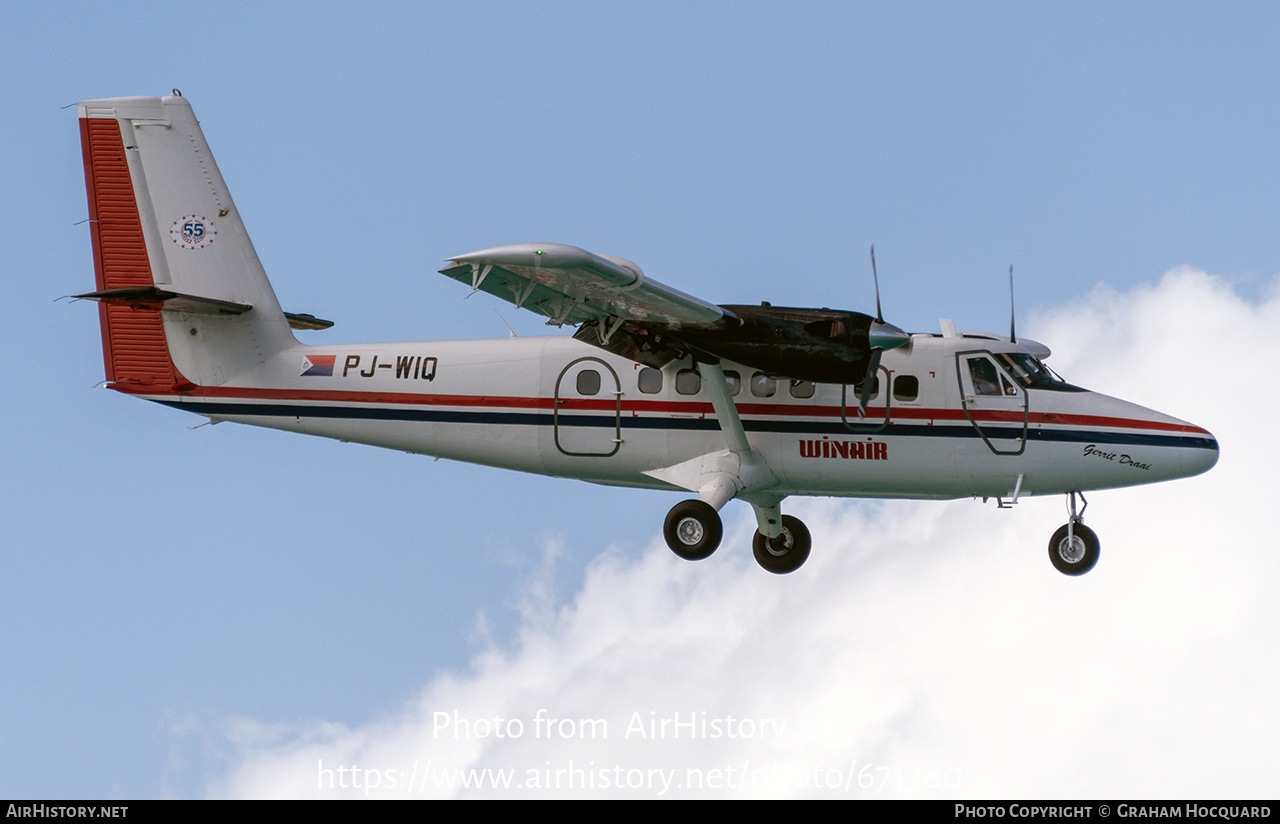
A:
(993, 402)
(588, 409)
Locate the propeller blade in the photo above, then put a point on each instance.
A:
(876, 278)
(869, 381)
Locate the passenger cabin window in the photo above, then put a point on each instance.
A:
(735, 382)
(688, 382)
(763, 386)
(649, 380)
(906, 388)
(588, 382)
(802, 389)
(875, 388)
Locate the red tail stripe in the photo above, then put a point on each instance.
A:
(133, 343)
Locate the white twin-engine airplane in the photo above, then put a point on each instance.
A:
(656, 389)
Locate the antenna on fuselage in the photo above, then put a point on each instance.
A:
(504, 321)
(1013, 336)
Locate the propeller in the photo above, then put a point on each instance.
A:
(869, 381)
(881, 336)
(876, 278)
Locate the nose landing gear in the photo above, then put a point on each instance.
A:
(785, 553)
(1074, 548)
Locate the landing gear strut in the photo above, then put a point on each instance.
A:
(693, 530)
(1074, 548)
(785, 553)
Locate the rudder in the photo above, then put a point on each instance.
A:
(184, 300)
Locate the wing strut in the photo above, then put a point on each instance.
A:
(745, 474)
(479, 273)
(726, 413)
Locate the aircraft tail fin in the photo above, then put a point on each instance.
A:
(184, 300)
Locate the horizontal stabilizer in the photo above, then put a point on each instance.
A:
(305, 321)
(152, 297)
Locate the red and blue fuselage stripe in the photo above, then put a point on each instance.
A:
(538, 412)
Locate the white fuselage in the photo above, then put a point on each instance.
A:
(520, 403)
(189, 319)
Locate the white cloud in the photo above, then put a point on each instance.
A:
(927, 648)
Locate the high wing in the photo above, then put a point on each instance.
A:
(624, 312)
(571, 285)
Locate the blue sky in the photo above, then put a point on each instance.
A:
(169, 589)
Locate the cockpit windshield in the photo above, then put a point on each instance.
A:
(1031, 373)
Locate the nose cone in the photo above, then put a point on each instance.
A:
(886, 336)
(1187, 449)
(1201, 451)
(1127, 445)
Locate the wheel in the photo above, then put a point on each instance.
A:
(693, 530)
(1076, 556)
(788, 551)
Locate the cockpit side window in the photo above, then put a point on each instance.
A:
(987, 380)
(1030, 372)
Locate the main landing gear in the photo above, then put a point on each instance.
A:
(693, 531)
(1074, 548)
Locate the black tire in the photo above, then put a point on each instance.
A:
(788, 551)
(1077, 559)
(693, 530)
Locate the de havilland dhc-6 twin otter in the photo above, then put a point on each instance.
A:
(655, 389)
